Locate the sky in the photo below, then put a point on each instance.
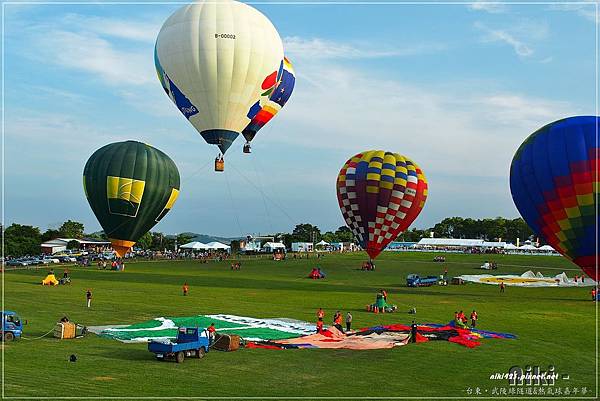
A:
(455, 87)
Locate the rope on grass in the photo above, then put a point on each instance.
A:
(37, 338)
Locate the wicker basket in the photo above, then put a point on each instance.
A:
(226, 342)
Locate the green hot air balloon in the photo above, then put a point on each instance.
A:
(130, 187)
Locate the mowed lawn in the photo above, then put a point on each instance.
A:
(555, 326)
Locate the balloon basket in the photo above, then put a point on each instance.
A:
(247, 148)
(219, 165)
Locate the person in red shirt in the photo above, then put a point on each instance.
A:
(211, 332)
(185, 289)
(594, 293)
(473, 318)
(319, 326)
(320, 314)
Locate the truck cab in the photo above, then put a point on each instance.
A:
(190, 341)
(12, 326)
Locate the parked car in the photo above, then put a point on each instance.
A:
(67, 259)
(48, 260)
(16, 262)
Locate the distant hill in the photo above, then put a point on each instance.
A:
(206, 238)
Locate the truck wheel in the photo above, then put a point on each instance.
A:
(179, 357)
(200, 352)
(8, 336)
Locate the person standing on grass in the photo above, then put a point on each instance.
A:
(320, 314)
(413, 332)
(502, 287)
(88, 297)
(185, 289)
(337, 321)
(212, 332)
(473, 318)
(319, 326)
(348, 321)
(594, 293)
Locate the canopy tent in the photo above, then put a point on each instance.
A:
(546, 248)
(217, 245)
(510, 246)
(194, 245)
(527, 248)
(272, 246)
(322, 243)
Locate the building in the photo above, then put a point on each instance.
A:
(271, 247)
(302, 247)
(60, 244)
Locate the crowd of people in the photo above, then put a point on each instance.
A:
(338, 319)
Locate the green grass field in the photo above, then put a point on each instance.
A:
(556, 326)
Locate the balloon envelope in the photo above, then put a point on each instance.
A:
(554, 184)
(264, 110)
(380, 194)
(215, 60)
(130, 186)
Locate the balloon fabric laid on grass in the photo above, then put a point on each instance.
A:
(215, 60)
(380, 194)
(130, 186)
(265, 109)
(554, 180)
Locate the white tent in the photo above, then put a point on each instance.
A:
(217, 245)
(194, 245)
(510, 246)
(322, 243)
(546, 248)
(527, 248)
(272, 246)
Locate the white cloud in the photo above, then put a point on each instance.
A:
(492, 8)
(455, 131)
(317, 48)
(587, 11)
(499, 35)
(142, 31)
(89, 53)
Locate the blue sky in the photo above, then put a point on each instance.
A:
(455, 87)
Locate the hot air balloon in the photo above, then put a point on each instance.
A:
(215, 60)
(130, 187)
(554, 183)
(380, 194)
(265, 109)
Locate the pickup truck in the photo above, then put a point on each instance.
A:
(190, 341)
(12, 326)
(414, 280)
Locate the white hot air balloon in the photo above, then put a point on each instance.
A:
(215, 60)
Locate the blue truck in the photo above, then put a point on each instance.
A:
(414, 280)
(12, 326)
(191, 341)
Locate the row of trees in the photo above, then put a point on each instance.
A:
(22, 240)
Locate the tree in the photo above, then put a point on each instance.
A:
(72, 244)
(145, 242)
(50, 234)
(306, 233)
(71, 229)
(184, 238)
(344, 234)
(20, 240)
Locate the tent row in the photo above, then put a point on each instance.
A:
(196, 245)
